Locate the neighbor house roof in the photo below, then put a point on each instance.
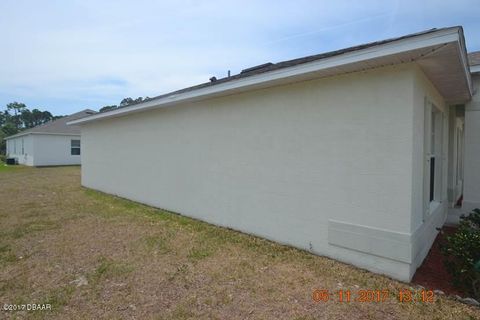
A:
(474, 58)
(58, 126)
(474, 61)
(437, 51)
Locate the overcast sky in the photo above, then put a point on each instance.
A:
(65, 56)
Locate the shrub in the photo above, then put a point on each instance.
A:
(462, 251)
(2, 158)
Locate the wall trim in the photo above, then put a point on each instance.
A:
(424, 236)
(379, 242)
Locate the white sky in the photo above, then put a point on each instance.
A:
(70, 55)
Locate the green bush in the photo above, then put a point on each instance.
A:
(3, 158)
(462, 252)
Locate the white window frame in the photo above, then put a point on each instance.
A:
(72, 147)
(434, 137)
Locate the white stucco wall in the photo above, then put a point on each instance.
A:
(44, 150)
(471, 190)
(423, 226)
(54, 150)
(324, 165)
(14, 149)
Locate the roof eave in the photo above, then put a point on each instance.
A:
(17, 135)
(21, 134)
(448, 35)
(475, 69)
(464, 58)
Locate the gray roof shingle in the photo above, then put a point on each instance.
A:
(474, 58)
(58, 126)
(267, 67)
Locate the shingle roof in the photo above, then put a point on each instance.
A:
(267, 67)
(474, 58)
(58, 126)
(379, 52)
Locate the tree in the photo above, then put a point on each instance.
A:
(47, 116)
(6, 130)
(17, 108)
(108, 108)
(138, 100)
(37, 117)
(17, 117)
(26, 119)
(3, 143)
(5, 118)
(126, 101)
(9, 129)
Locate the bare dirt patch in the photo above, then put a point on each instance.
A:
(91, 255)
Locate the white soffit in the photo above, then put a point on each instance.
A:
(441, 54)
(475, 69)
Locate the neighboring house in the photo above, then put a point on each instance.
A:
(356, 154)
(51, 144)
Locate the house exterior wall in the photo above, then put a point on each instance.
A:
(324, 165)
(14, 149)
(423, 224)
(43, 150)
(54, 150)
(471, 189)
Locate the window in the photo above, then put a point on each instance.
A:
(75, 147)
(459, 153)
(15, 146)
(23, 147)
(433, 146)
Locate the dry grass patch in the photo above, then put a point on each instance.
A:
(92, 255)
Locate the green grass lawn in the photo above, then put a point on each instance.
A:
(4, 167)
(95, 256)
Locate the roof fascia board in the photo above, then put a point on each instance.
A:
(56, 134)
(18, 135)
(474, 69)
(42, 133)
(464, 59)
(417, 42)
